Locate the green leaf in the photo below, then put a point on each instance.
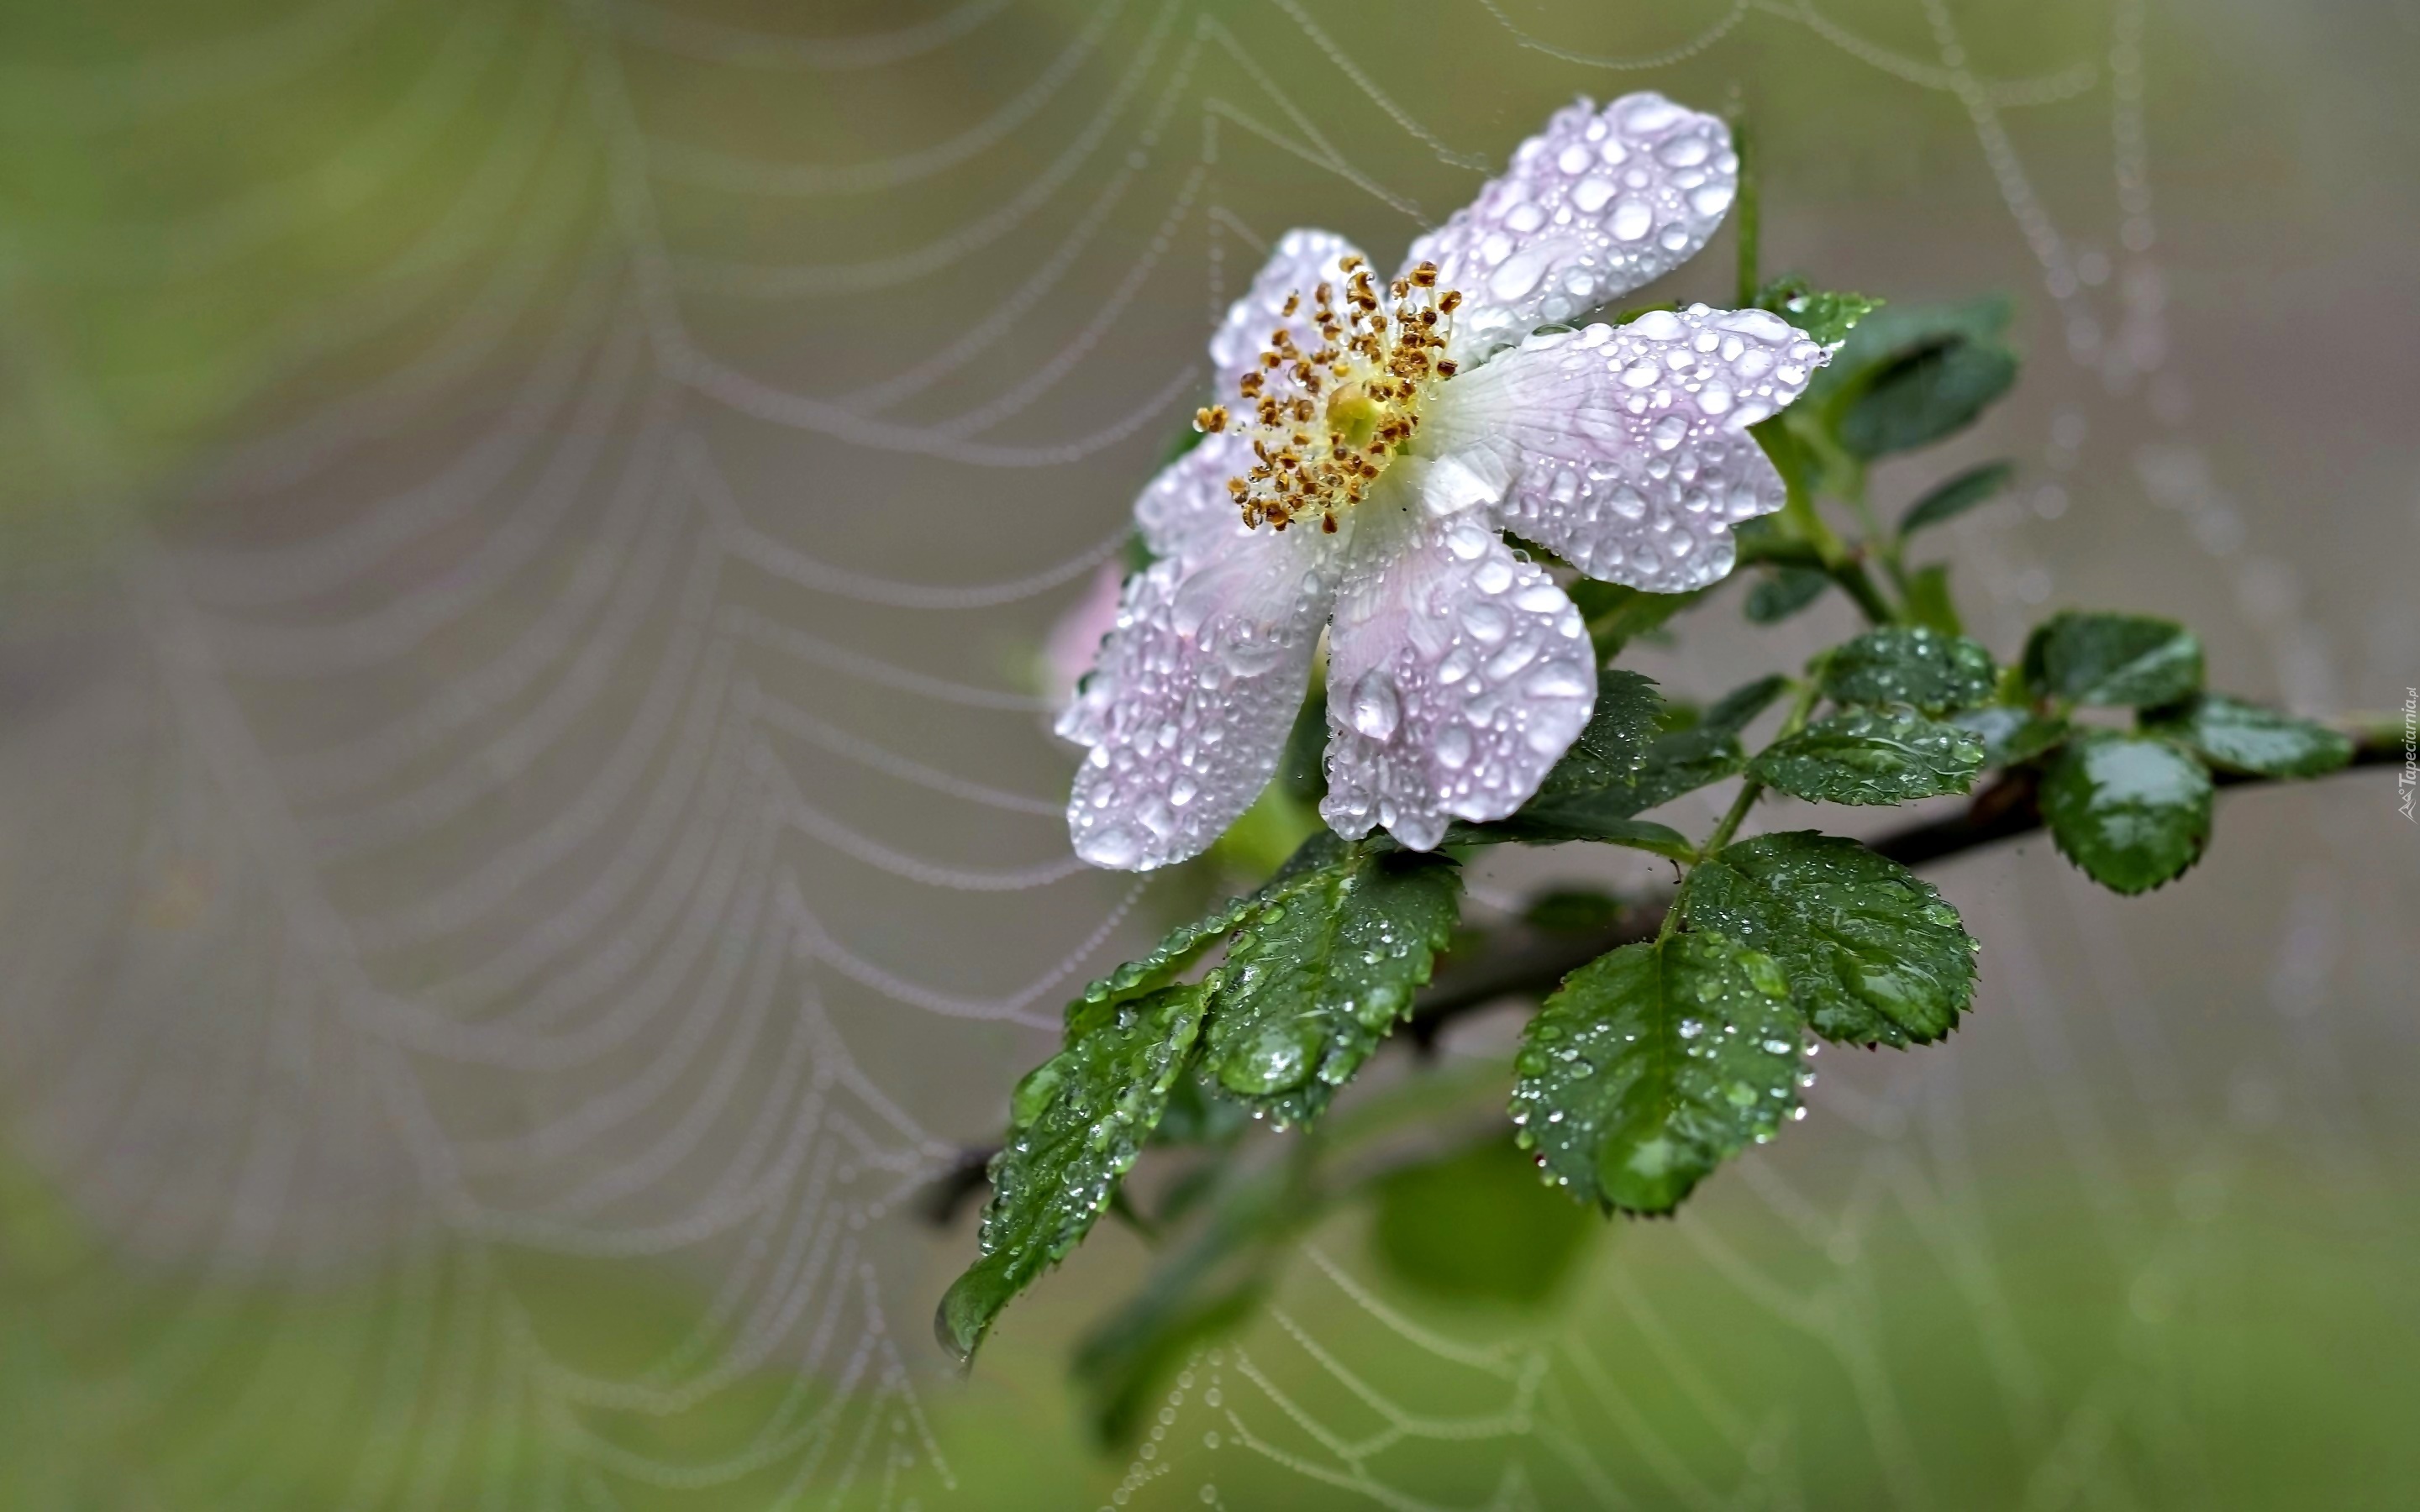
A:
(1826, 315)
(1784, 592)
(1182, 946)
(1682, 762)
(1075, 1124)
(1198, 1114)
(1873, 953)
(1896, 332)
(1613, 771)
(1614, 741)
(1617, 615)
(2011, 734)
(2238, 736)
(1206, 1288)
(1867, 756)
(2132, 812)
(1571, 911)
(1934, 394)
(1652, 1064)
(1924, 669)
(1321, 972)
(1737, 709)
(2113, 660)
(1910, 375)
(1302, 766)
(1603, 816)
(1976, 486)
(1477, 1224)
(1125, 1367)
(1929, 603)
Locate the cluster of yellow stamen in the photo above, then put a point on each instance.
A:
(1324, 424)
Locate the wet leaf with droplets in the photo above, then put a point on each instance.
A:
(2132, 812)
(1652, 1064)
(1614, 742)
(1078, 1122)
(1873, 953)
(1177, 951)
(1924, 669)
(2113, 660)
(2011, 734)
(2238, 736)
(1324, 973)
(1682, 762)
(1827, 315)
(1910, 375)
(1614, 770)
(1870, 756)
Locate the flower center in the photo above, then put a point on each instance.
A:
(1325, 424)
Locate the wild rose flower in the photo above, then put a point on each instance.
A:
(1372, 441)
(1075, 637)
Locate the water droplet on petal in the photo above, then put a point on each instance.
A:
(1517, 277)
(1649, 112)
(1375, 710)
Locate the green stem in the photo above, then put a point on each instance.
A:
(1750, 789)
(1799, 517)
(1884, 543)
(1745, 221)
(1869, 598)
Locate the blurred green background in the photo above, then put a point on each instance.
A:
(492, 978)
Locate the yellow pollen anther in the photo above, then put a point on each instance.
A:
(1325, 424)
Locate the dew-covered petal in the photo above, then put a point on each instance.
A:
(1457, 674)
(1624, 448)
(1188, 709)
(1302, 260)
(1591, 208)
(1186, 510)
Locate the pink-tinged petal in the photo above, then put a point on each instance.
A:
(1596, 205)
(1186, 510)
(1188, 710)
(1457, 675)
(1075, 641)
(1624, 448)
(1301, 261)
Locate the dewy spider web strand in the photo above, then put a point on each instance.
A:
(666, 1016)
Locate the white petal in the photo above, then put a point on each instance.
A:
(1302, 260)
(1187, 509)
(1626, 448)
(1188, 710)
(1457, 674)
(1598, 204)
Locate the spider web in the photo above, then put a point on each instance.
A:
(535, 804)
